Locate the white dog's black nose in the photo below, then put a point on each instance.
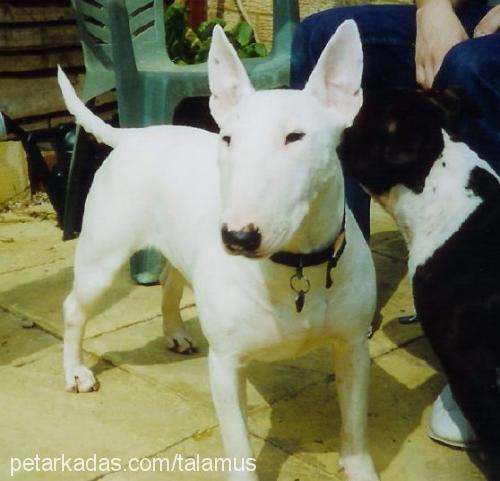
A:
(243, 241)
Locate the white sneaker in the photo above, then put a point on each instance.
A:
(448, 425)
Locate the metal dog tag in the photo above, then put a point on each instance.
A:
(301, 286)
(300, 300)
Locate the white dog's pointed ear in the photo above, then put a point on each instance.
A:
(227, 77)
(336, 78)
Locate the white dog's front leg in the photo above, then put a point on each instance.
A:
(79, 378)
(352, 370)
(228, 384)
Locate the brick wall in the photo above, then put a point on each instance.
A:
(260, 11)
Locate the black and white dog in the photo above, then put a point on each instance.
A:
(446, 202)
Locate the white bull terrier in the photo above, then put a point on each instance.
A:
(268, 190)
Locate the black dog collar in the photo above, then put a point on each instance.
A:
(299, 283)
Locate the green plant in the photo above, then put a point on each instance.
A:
(187, 46)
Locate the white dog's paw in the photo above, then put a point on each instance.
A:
(359, 468)
(181, 342)
(81, 379)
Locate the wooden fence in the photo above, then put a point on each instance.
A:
(36, 36)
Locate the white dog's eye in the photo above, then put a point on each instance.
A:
(227, 139)
(294, 137)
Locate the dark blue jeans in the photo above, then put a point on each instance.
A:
(388, 35)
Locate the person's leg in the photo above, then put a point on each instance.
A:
(388, 35)
(474, 67)
(447, 423)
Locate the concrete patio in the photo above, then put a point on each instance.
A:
(153, 403)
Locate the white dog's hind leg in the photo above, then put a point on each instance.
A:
(228, 384)
(178, 340)
(95, 267)
(352, 370)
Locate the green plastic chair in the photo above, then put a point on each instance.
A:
(124, 46)
(95, 38)
(164, 84)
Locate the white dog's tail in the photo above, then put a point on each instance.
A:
(85, 117)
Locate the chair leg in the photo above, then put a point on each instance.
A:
(75, 190)
(146, 266)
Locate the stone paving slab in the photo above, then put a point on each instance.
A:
(141, 349)
(273, 464)
(127, 417)
(403, 387)
(159, 402)
(405, 383)
(37, 287)
(38, 293)
(19, 345)
(303, 423)
(385, 237)
(29, 244)
(394, 301)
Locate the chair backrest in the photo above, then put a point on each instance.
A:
(146, 26)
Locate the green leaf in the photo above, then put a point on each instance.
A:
(175, 11)
(247, 51)
(243, 33)
(192, 39)
(175, 24)
(187, 46)
(205, 29)
(260, 50)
